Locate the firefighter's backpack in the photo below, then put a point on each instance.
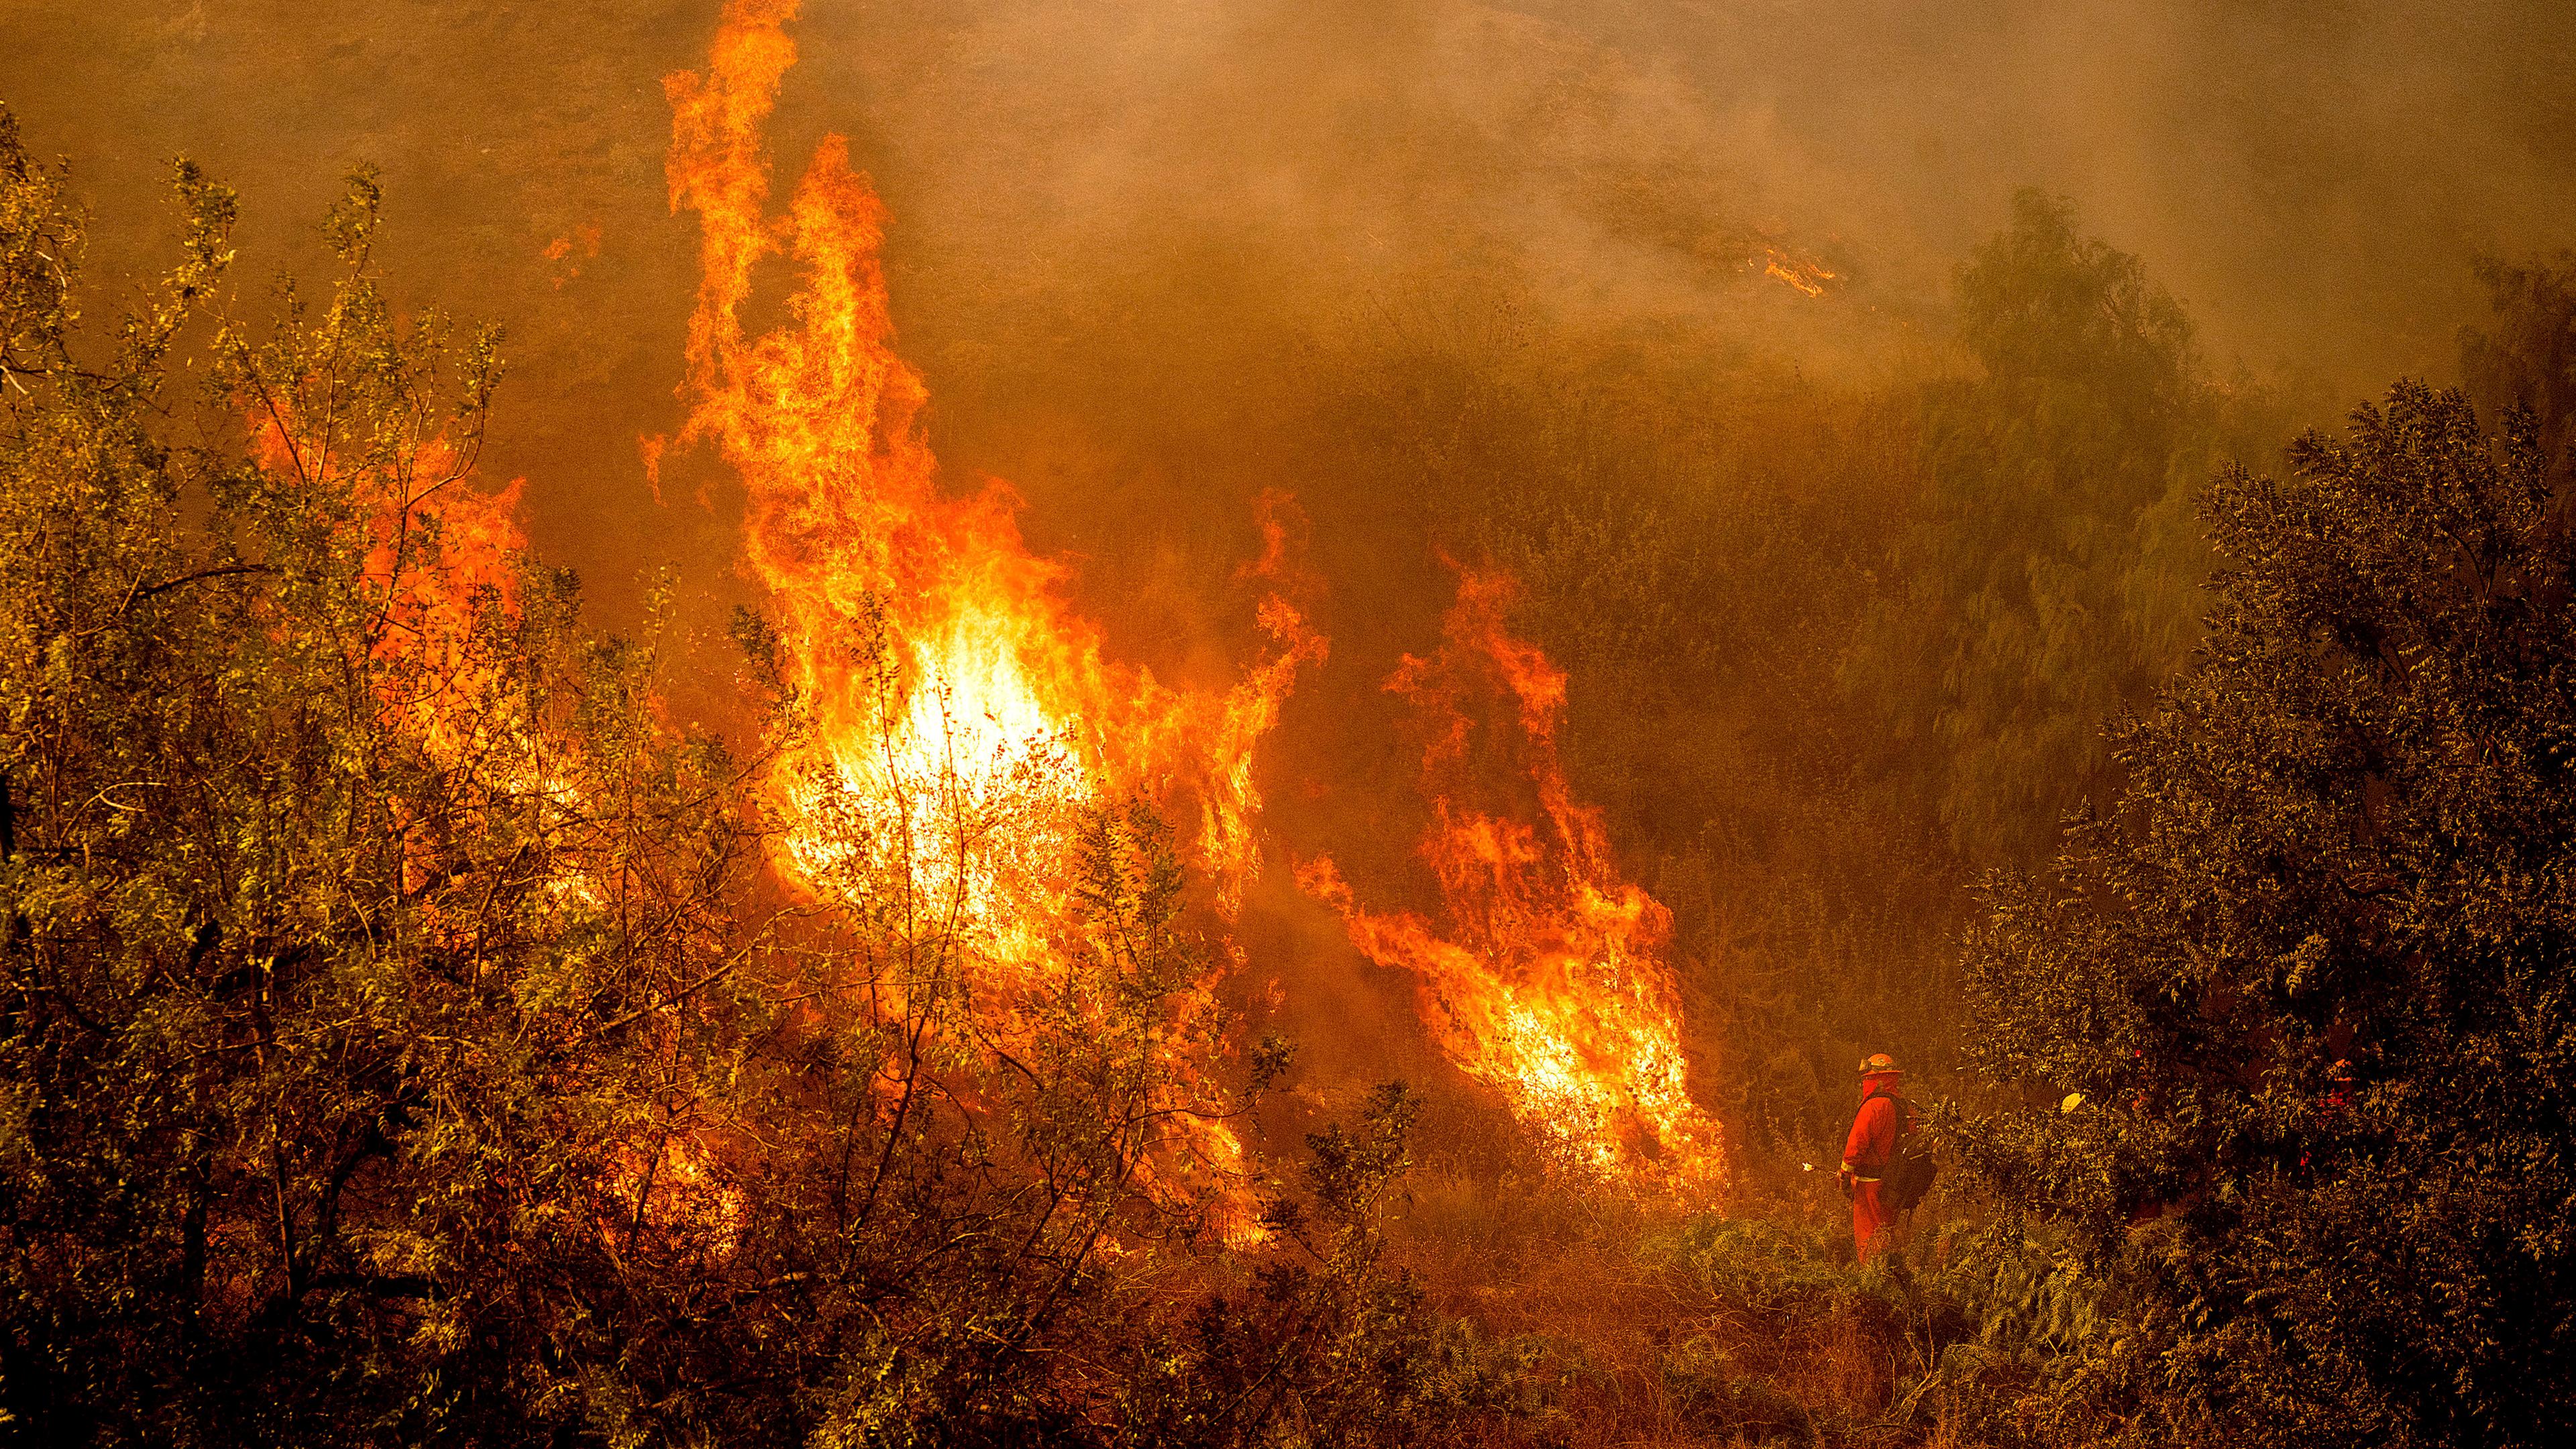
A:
(1910, 1171)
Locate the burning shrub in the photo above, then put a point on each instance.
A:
(1547, 979)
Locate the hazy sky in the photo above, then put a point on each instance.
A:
(1205, 180)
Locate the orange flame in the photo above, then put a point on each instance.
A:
(1548, 981)
(998, 683)
(947, 683)
(678, 1195)
(1804, 274)
(439, 550)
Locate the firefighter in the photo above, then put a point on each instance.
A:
(1875, 1131)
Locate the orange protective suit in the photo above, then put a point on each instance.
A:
(1870, 1217)
(1867, 1151)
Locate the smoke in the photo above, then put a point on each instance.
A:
(1093, 203)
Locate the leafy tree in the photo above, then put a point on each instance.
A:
(2049, 577)
(347, 885)
(2308, 982)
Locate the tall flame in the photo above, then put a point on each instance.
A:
(995, 680)
(944, 676)
(1546, 979)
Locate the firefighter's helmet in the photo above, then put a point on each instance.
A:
(1878, 1064)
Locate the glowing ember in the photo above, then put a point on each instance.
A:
(1546, 980)
(675, 1196)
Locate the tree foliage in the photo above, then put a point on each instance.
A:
(2050, 573)
(2310, 978)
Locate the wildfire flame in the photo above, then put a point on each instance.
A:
(438, 548)
(947, 683)
(1804, 274)
(677, 1193)
(997, 684)
(1546, 979)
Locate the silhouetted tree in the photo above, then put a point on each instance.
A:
(2526, 356)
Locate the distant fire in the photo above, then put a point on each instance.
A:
(1546, 978)
(1803, 273)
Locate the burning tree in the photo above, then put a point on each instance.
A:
(957, 723)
